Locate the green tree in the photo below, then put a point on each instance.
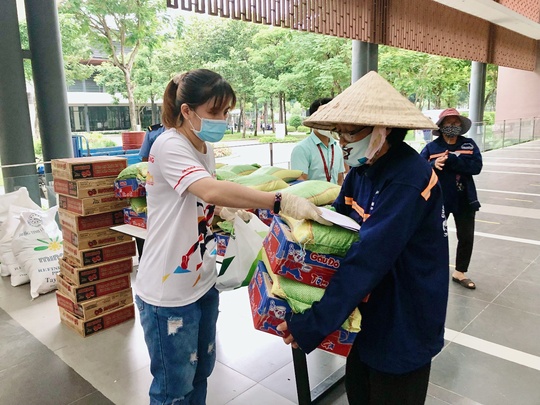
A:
(119, 28)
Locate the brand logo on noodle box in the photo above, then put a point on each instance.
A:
(329, 261)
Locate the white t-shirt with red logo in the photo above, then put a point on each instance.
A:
(179, 261)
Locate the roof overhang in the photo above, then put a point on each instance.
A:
(495, 13)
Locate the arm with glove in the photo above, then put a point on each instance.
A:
(228, 194)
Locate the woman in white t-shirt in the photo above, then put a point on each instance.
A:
(175, 290)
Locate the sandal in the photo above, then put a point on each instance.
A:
(466, 282)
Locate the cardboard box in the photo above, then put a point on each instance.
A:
(77, 223)
(90, 274)
(94, 237)
(93, 308)
(129, 188)
(80, 293)
(86, 257)
(87, 328)
(265, 215)
(92, 205)
(269, 311)
(288, 259)
(134, 218)
(222, 240)
(87, 167)
(84, 188)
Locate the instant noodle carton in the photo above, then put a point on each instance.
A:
(84, 188)
(87, 167)
(222, 240)
(92, 205)
(86, 257)
(135, 218)
(288, 259)
(92, 326)
(269, 311)
(99, 272)
(129, 188)
(265, 215)
(99, 306)
(80, 293)
(94, 237)
(77, 223)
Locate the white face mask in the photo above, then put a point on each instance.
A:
(354, 153)
(324, 132)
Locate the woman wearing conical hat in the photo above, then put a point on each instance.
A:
(397, 273)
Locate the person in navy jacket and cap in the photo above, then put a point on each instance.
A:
(456, 159)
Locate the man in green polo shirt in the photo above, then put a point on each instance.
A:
(319, 155)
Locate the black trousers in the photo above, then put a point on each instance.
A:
(465, 235)
(366, 386)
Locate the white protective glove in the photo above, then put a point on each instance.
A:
(228, 214)
(300, 208)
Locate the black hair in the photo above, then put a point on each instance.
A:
(397, 135)
(317, 103)
(195, 88)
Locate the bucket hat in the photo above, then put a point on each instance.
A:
(370, 101)
(452, 112)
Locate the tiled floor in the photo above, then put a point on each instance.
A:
(491, 356)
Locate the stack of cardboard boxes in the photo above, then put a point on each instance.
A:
(94, 283)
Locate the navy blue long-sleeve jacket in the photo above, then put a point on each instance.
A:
(456, 177)
(401, 260)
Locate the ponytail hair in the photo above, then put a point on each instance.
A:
(194, 88)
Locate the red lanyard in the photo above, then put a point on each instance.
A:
(326, 172)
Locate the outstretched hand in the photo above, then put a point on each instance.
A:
(300, 208)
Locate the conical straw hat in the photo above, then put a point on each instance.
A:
(370, 101)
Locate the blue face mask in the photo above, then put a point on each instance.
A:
(354, 153)
(211, 130)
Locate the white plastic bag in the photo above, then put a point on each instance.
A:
(37, 246)
(240, 260)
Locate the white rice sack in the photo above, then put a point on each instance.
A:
(8, 227)
(37, 246)
(20, 198)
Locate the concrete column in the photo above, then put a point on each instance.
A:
(476, 102)
(16, 144)
(365, 57)
(49, 81)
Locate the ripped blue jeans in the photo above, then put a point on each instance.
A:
(182, 346)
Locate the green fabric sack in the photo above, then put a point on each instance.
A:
(222, 174)
(329, 240)
(287, 175)
(317, 191)
(263, 182)
(136, 171)
(241, 170)
(138, 204)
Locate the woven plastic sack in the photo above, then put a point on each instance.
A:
(328, 240)
(286, 175)
(138, 204)
(220, 165)
(301, 296)
(317, 191)
(240, 170)
(136, 171)
(222, 174)
(263, 182)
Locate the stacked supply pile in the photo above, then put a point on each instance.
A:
(131, 184)
(94, 284)
(298, 260)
